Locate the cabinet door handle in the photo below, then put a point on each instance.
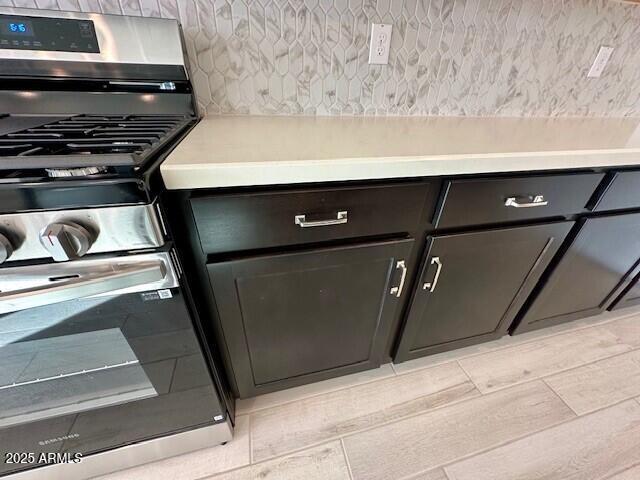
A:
(341, 218)
(432, 285)
(538, 201)
(397, 291)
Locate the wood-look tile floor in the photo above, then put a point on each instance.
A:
(561, 403)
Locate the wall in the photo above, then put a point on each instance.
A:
(448, 57)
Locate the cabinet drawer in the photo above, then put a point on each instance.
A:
(259, 220)
(623, 192)
(506, 199)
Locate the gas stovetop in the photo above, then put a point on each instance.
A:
(90, 105)
(84, 141)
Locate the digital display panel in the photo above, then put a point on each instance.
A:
(20, 32)
(16, 27)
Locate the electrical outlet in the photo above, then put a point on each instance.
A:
(380, 43)
(603, 56)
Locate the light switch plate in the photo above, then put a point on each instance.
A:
(604, 54)
(380, 43)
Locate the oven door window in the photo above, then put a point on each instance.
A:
(99, 353)
(58, 375)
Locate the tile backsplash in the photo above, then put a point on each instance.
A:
(448, 57)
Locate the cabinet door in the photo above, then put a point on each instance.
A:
(630, 297)
(599, 263)
(472, 285)
(295, 318)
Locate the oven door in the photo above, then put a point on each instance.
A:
(96, 354)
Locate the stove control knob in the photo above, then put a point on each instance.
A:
(6, 249)
(66, 241)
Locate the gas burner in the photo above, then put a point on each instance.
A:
(74, 172)
(83, 135)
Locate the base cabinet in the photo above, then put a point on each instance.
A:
(301, 284)
(473, 284)
(630, 297)
(599, 264)
(294, 318)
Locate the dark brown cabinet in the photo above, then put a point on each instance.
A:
(300, 284)
(244, 221)
(293, 318)
(599, 264)
(483, 201)
(629, 297)
(622, 191)
(473, 284)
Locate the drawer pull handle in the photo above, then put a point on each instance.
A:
(432, 285)
(397, 291)
(341, 218)
(538, 201)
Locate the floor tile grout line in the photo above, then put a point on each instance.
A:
(565, 370)
(338, 389)
(453, 360)
(381, 379)
(488, 449)
(541, 337)
(292, 452)
(622, 471)
(577, 417)
(462, 400)
(469, 377)
(636, 399)
(525, 342)
(415, 414)
(444, 362)
(434, 467)
(544, 380)
(517, 439)
(373, 427)
(609, 405)
(419, 474)
(346, 458)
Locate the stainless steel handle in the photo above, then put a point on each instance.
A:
(120, 277)
(341, 218)
(159, 85)
(397, 291)
(432, 285)
(538, 201)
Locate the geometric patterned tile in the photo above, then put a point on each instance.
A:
(448, 57)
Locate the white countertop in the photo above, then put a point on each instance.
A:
(226, 151)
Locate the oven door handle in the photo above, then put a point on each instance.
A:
(120, 277)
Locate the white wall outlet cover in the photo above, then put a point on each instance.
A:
(603, 56)
(380, 43)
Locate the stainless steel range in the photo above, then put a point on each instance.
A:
(101, 366)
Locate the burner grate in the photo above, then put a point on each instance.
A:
(91, 134)
(19, 150)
